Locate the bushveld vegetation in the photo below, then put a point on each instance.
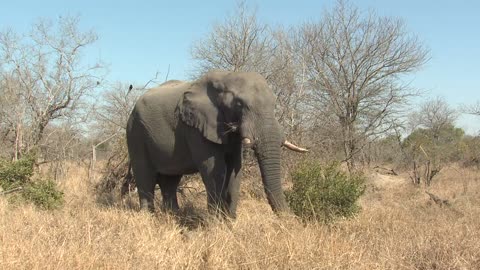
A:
(323, 193)
(399, 226)
(402, 193)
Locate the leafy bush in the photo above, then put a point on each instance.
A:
(323, 193)
(44, 194)
(16, 173)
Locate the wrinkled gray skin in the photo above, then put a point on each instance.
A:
(186, 127)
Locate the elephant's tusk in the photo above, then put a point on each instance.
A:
(246, 141)
(293, 147)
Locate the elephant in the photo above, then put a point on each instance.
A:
(201, 126)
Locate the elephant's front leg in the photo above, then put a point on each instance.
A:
(168, 186)
(222, 181)
(213, 172)
(211, 160)
(211, 164)
(233, 177)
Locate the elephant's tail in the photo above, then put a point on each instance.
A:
(129, 181)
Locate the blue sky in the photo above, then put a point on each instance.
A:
(139, 38)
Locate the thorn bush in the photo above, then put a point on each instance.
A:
(324, 193)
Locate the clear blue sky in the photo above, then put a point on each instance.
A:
(139, 38)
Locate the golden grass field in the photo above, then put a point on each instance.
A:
(398, 228)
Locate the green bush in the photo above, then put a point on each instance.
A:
(44, 194)
(16, 173)
(323, 193)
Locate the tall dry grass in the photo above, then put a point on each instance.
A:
(399, 228)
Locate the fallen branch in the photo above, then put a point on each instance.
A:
(11, 190)
(388, 171)
(437, 199)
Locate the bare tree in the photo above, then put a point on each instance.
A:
(434, 114)
(117, 104)
(44, 74)
(111, 116)
(240, 43)
(434, 140)
(355, 62)
(13, 112)
(288, 79)
(472, 109)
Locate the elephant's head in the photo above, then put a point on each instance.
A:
(222, 104)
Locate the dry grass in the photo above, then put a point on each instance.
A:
(399, 228)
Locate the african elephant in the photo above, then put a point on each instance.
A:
(186, 127)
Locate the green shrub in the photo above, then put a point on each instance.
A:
(44, 194)
(323, 193)
(16, 173)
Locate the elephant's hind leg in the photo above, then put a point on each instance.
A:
(145, 180)
(168, 186)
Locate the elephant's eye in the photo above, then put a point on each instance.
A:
(238, 104)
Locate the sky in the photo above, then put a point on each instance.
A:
(138, 38)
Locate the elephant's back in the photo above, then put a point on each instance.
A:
(155, 110)
(172, 83)
(161, 100)
(167, 92)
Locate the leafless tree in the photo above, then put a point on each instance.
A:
(13, 112)
(472, 109)
(111, 115)
(354, 65)
(434, 140)
(240, 43)
(44, 74)
(115, 108)
(63, 144)
(434, 114)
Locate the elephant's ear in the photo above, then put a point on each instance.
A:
(198, 111)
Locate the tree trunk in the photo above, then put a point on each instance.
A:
(18, 142)
(349, 144)
(40, 128)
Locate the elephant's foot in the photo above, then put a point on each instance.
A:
(146, 200)
(170, 207)
(221, 210)
(147, 205)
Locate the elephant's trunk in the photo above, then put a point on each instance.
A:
(268, 153)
